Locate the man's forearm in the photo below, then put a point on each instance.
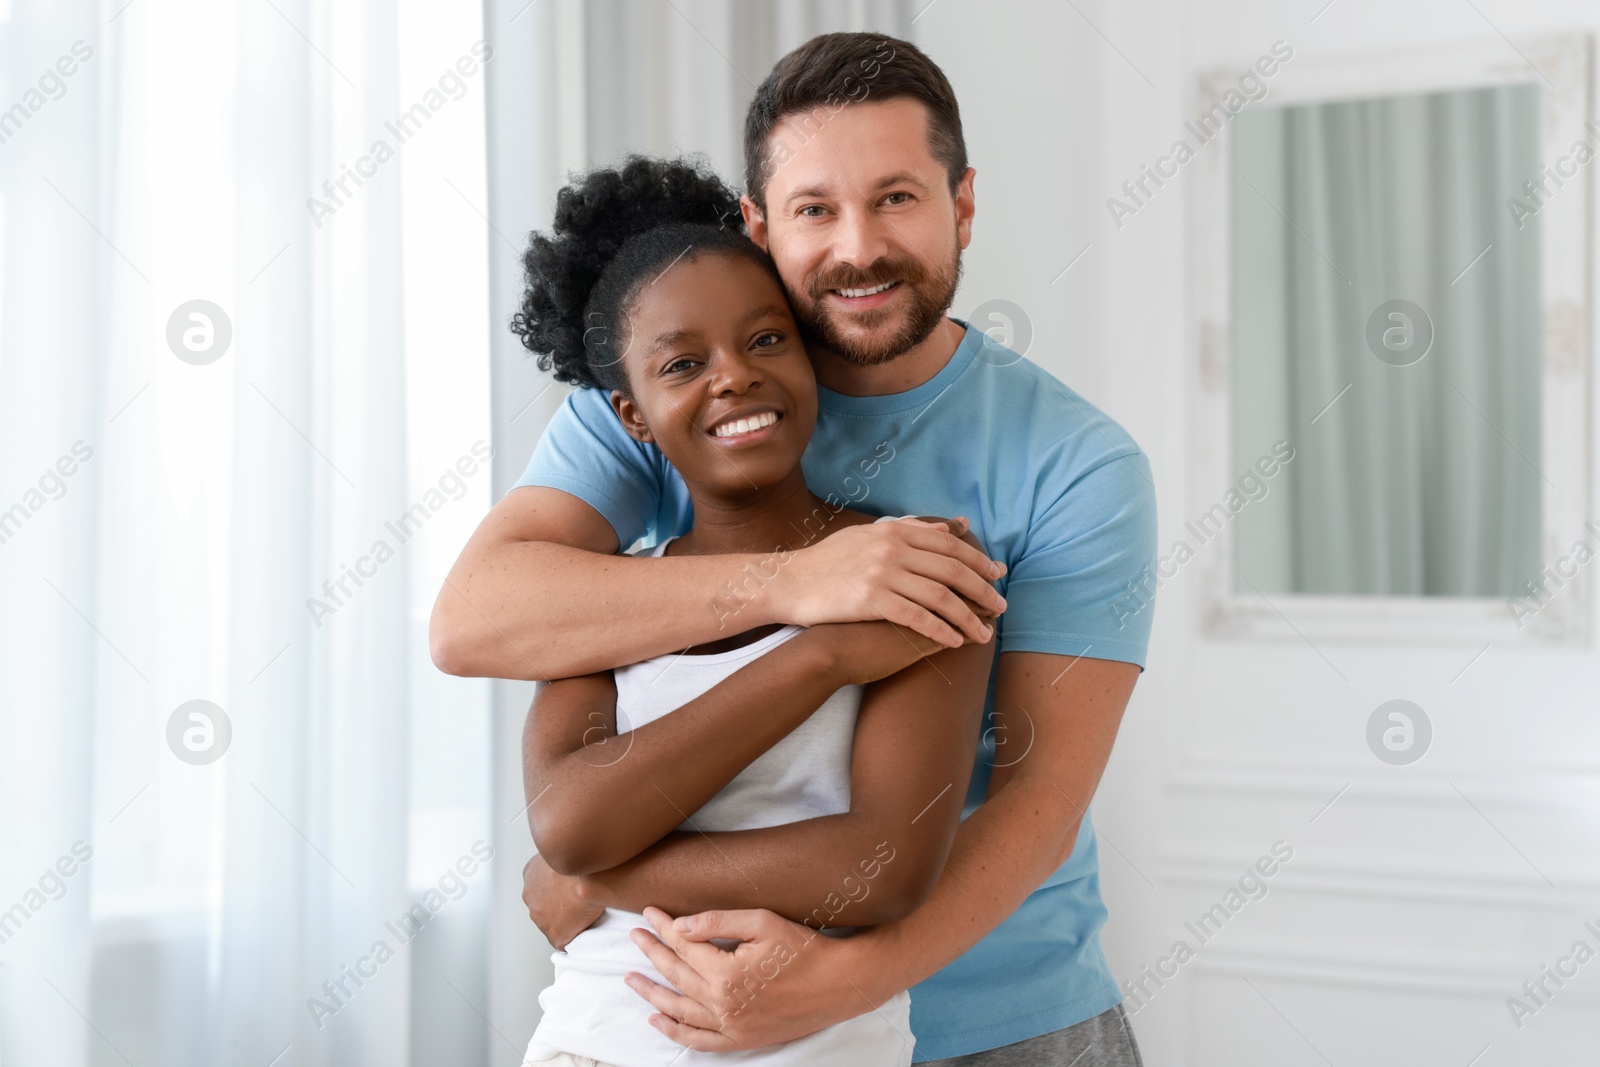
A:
(539, 591)
(827, 871)
(1003, 851)
(1029, 822)
(538, 610)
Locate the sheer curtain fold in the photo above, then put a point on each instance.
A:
(51, 396)
(314, 842)
(672, 78)
(228, 902)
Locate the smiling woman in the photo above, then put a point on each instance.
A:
(645, 287)
(717, 369)
(687, 328)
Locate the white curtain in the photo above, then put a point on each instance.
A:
(1421, 479)
(170, 514)
(670, 78)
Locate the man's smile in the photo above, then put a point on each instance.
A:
(866, 298)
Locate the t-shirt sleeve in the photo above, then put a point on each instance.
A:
(584, 451)
(1085, 584)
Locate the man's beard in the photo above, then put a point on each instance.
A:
(931, 292)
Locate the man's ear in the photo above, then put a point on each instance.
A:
(966, 207)
(755, 223)
(628, 414)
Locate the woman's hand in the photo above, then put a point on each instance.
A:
(863, 652)
(555, 903)
(927, 576)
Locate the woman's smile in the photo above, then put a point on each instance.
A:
(747, 426)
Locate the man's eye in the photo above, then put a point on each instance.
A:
(812, 211)
(897, 198)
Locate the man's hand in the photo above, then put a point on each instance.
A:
(555, 903)
(1002, 852)
(782, 982)
(921, 575)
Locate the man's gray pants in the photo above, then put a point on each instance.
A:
(1103, 1041)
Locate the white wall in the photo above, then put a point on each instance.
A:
(1408, 914)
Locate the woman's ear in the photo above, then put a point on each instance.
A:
(632, 421)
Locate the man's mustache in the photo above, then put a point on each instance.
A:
(845, 276)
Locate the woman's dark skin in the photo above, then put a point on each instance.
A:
(708, 342)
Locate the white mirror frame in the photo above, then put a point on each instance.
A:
(1563, 75)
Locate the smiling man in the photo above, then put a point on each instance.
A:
(859, 188)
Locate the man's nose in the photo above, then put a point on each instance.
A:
(860, 239)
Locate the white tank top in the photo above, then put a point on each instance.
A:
(588, 1011)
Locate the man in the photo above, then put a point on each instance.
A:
(858, 186)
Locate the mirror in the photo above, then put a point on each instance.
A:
(1386, 324)
(1392, 295)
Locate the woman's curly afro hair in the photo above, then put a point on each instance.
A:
(613, 229)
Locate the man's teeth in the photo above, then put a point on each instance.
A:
(854, 293)
(738, 426)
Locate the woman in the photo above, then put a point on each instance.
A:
(644, 290)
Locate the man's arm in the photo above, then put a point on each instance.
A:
(1071, 709)
(915, 739)
(540, 593)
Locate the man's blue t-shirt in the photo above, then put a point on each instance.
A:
(1056, 490)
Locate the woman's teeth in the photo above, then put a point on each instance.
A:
(738, 426)
(856, 293)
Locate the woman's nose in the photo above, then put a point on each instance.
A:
(731, 373)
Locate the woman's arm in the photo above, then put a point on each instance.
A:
(598, 798)
(915, 741)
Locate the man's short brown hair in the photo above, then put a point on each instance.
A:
(834, 71)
